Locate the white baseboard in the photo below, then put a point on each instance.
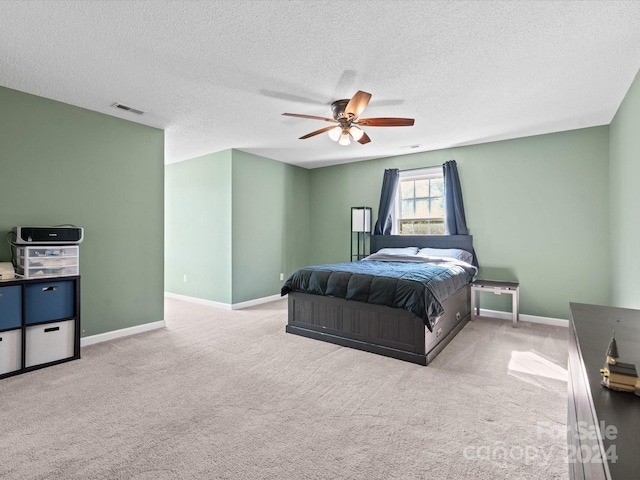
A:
(124, 332)
(557, 322)
(201, 301)
(146, 327)
(257, 301)
(224, 306)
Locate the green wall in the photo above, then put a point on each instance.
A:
(542, 210)
(624, 178)
(547, 211)
(234, 222)
(63, 164)
(270, 224)
(198, 227)
(537, 208)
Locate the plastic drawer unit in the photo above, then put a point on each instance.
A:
(48, 301)
(10, 307)
(47, 261)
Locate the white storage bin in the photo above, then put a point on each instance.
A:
(47, 261)
(10, 351)
(49, 342)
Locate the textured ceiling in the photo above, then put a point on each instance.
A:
(218, 74)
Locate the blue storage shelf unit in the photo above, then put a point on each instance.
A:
(39, 323)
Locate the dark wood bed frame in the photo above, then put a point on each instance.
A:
(379, 329)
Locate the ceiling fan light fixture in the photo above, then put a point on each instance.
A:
(344, 138)
(334, 133)
(346, 114)
(356, 133)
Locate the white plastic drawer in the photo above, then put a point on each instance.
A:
(49, 342)
(10, 351)
(36, 272)
(52, 252)
(32, 262)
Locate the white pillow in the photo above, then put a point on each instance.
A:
(398, 251)
(447, 252)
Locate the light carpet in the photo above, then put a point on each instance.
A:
(229, 395)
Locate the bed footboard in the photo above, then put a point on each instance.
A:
(378, 329)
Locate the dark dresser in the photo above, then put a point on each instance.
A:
(603, 425)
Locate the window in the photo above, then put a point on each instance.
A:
(419, 208)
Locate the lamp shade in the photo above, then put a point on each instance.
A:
(361, 219)
(334, 133)
(356, 133)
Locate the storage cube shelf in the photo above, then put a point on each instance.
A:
(39, 323)
(46, 261)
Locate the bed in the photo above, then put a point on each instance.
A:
(400, 331)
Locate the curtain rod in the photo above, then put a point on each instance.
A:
(418, 168)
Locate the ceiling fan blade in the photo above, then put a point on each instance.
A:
(317, 132)
(386, 122)
(357, 104)
(312, 117)
(364, 139)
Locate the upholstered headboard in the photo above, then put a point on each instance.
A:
(463, 242)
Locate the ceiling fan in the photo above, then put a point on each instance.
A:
(346, 113)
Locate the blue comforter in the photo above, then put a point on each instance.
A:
(417, 287)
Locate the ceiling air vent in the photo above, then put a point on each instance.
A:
(411, 147)
(128, 109)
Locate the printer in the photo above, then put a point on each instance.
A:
(64, 235)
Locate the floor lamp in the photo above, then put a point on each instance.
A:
(360, 229)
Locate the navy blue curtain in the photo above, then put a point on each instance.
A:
(387, 198)
(454, 220)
